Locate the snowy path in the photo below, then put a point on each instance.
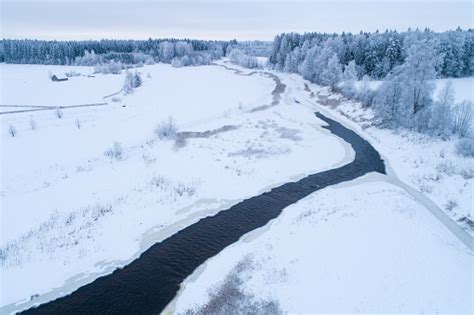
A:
(149, 283)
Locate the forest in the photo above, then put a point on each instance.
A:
(407, 64)
(93, 52)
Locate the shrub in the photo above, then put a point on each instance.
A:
(12, 131)
(78, 123)
(182, 189)
(465, 147)
(72, 73)
(59, 113)
(231, 298)
(33, 125)
(462, 118)
(167, 129)
(109, 67)
(116, 99)
(116, 151)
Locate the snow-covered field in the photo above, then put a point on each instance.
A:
(30, 85)
(70, 213)
(362, 247)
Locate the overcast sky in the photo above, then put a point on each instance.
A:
(258, 19)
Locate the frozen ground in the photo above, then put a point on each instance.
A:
(362, 247)
(71, 213)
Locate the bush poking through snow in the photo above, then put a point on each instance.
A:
(33, 125)
(229, 298)
(109, 67)
(465, 147)
(115, 152)
(182, 189)
(116, 99)
(167, 129)
(59, 113)
(72, 73)
(58, 233)
(12, 131)
(78, 123)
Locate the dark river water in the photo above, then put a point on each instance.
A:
(149, 283)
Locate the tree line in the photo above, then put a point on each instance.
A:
(28, 51)
(407, 65)
(375, 54)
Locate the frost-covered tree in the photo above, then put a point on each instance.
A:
(332, 75)
(89, 59)
(321, 64)
(183, 49)
(441, 112)
(420, 70)
(349, 77)
(307, 68)
(409, 88)
(132, 81)
(236, 56)
(365, 94)
(292, 61)
(388, 101)
(166, 51)
(127, 85)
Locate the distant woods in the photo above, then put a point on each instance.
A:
(125, 52)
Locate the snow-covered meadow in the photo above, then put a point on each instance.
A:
(70, 212)
(87, 192)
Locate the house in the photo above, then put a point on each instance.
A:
(54, 78)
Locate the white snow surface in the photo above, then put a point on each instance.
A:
(31, 85)
(70, 213)
(363, 247)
